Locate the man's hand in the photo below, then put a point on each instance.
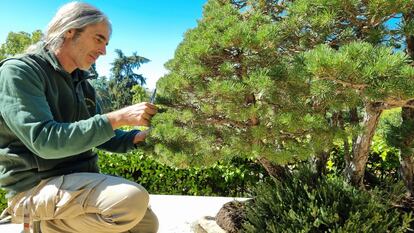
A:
(134, 115)
(139, 137)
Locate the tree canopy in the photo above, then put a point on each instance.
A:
(284, 80)
(18, 42)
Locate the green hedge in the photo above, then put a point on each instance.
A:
(234, 178)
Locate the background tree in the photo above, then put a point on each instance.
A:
(123, 78)
(139, 94)
(100, 83)
(283, 81)
(18, 42)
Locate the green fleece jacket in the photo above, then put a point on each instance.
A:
(49, 122)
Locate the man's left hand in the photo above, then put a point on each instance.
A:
(139, 137)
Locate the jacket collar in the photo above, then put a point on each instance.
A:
(51, 58)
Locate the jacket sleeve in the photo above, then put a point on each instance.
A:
(26, 112)
(120, 143)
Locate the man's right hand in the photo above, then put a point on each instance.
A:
(134, 115)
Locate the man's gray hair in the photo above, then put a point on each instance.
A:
(73, 15)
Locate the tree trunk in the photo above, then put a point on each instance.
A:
(277, 171)
(354, 120)
(406, 160)
(355, 170)
(409, 38)
(406, 157)
(321, 161)
(407, 167)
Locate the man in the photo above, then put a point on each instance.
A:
(49, 123)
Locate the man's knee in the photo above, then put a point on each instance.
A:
(153, 223)
(136, 199)
(123, 203)
(149, 224)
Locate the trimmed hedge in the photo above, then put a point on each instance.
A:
(233, 178)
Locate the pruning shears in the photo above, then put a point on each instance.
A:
(153, 95)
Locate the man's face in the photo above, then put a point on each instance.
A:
(86, 47)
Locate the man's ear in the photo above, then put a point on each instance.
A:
(69, 34)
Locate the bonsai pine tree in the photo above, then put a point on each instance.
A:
(357, 69)
(283, 81)
(381, 75)
(232, 92)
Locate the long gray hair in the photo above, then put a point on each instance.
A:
(73, 15)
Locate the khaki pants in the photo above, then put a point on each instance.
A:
(86, 202)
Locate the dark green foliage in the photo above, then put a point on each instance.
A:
(124, 87)
(302, 203)
(102, 91)
(123, 78)
(280, 80)
(123, 67)
(231, 93)
(222, 179)
(359, 69)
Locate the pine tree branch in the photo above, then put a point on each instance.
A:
(223, 121)
(399, 103)
(293, 135)
(375, 23)
(211, 119)
(351, 16)
(354, 86)
(240, 4)
(395, 103)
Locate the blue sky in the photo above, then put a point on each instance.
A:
(151, 28)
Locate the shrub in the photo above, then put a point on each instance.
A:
(302, 203)
(234, 178)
